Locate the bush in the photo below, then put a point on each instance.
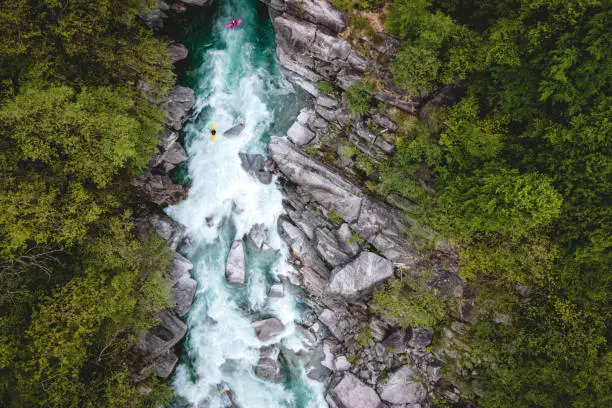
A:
(359, 97)
(410, 302)
(325, 87)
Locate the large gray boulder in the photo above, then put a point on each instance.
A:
(381, 225)
(331, 248)
(360, 276)
(159, 188)
(301, 247)
(326, 186)
(235, 268)
(177, 51)
(179, 103)
(267, 328)
(267, 366)
(320, 12)
(183, 286)
(350, 392)
(164, 365)
(330, 49)
(255, 164)
(153, 353)
(183, 292)
(402, 388)
(300, 134)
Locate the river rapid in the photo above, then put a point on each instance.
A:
(237, 80)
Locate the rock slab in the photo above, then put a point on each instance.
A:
(235, 269)
(350, 392)
(359, 277)
(401, 388)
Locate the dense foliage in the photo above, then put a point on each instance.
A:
(75, 283)
(517, 174)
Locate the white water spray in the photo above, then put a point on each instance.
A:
(224, 202)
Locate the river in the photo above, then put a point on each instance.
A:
(237, 80)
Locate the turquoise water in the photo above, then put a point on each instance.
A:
(237, 80)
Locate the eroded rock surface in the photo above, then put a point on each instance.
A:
(351, 392)
(360, 276)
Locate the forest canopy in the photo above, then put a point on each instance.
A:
(517, 175)
(76, 285)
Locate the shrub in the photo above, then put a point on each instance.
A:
(359, 97)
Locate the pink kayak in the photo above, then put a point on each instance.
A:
(230, 25)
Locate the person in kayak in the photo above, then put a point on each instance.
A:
(234, 21)
(213, 132)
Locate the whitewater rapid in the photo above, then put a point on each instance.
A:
(236, 81)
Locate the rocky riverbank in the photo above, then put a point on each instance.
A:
(343, 242)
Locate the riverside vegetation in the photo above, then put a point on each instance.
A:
(75, 283)
(517, 176)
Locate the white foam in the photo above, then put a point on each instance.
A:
(221, 345)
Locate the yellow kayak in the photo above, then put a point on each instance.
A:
(213, 132)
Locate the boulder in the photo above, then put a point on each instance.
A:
(165, 364)
(297, 34)
(382, 226)
(402, 388)
(276, 291)
(256, 165)
(267, 328)
(267, 369)
(183, 292)
(396, 341)
(326, 186)
(301, 247)
(257, 236)
(171, 231)
(159, 188)
(310, 339)
(179, 104)
(385, 122)
(235, 268)
(350, 392)
(174, 155)
(154, 18)
(333, 250)
(166, 139)
(337, 326)
(155, 345)
(179, 268)
(420, 338)
(177, 51)
(267, 366)
(329, 48)
(359, 277)
(319, 12)
(342, 364)
(299, 134)
(326, 102)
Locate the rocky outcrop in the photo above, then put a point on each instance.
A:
(268, 328)
(235, 268)
(403, 388)
(183, 286)
(326, 186)
(256, 164)
(302, 247)
(350, 392)
(178, 106)
(155, 348)
(359, 277)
